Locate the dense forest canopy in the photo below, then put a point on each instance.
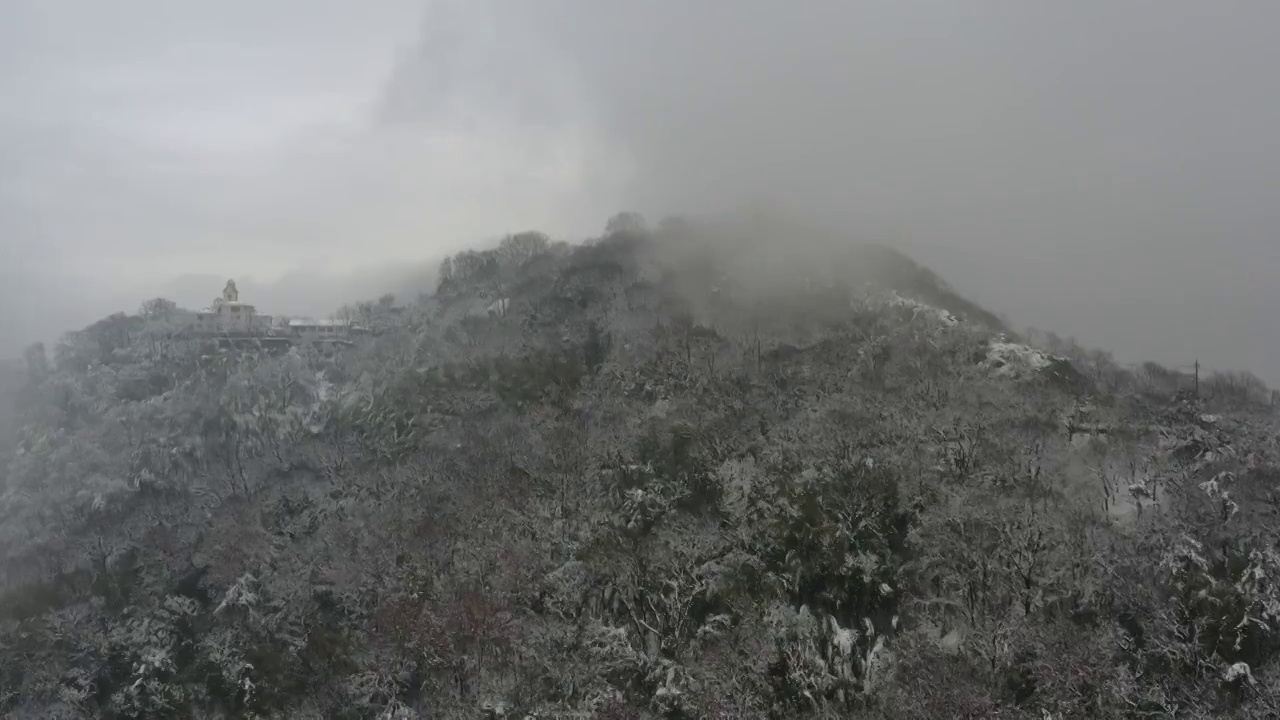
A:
(707, 469)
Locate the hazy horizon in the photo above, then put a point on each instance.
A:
(1093, 169)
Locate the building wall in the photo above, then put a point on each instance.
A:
(230, 318)
(236, 318)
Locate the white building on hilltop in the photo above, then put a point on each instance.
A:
(227, 315)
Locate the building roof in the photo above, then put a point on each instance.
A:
(307, 322)
(213, 309)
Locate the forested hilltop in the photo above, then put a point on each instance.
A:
(707, 470)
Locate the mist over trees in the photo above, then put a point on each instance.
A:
(669, 472)
(697, 467)
(50, 308)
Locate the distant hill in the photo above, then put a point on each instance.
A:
(724, 468)
(52, 304)
(316, 294)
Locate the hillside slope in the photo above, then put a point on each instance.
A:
(670, 473)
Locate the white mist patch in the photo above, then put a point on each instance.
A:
(919, 309)
(1015, 360)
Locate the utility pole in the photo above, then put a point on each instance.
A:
(1197, 377)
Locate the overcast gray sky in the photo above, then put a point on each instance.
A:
(1099, 168)
(143, 140)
